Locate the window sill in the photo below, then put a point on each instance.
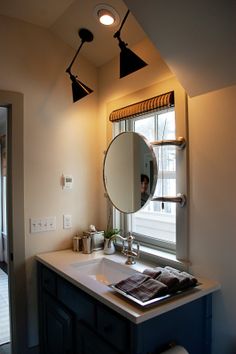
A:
(163, 258)
(159, 257)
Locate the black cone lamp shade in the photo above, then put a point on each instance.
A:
(129, 61)
(79, 90)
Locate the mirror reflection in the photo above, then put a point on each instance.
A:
(130, 172)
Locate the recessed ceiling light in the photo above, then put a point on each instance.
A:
(106, 18)
(106, 15)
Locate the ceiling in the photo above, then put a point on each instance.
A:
(195, 38)
(65, 17)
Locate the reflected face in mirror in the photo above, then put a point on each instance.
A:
(130, 172)
(144, 189)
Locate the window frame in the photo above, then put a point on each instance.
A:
(180, 253)
(125, 222)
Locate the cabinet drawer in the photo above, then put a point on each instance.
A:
(77, 301)
(112, 327)
(49, 281)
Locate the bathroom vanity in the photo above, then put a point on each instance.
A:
(80, 314)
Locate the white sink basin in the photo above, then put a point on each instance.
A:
(104, 270)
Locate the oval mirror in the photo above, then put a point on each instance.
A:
(130, 172)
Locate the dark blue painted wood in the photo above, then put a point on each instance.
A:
(81, 304)
(49, 281)
(109, 324)
(58, 328)
(75, 317)
(88, 342)
(185, 326)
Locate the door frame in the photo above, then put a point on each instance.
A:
(15, 219)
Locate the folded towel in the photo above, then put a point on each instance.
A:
(192, 278)
(153, 273)
(132, 282)
(149, 289)
(169, 279)
(186, 280)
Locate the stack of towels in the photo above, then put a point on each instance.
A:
(156, 282)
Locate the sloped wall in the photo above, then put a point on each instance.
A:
(195, 38)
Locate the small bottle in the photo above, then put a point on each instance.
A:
(76, 243)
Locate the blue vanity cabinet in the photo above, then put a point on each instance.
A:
(58, 329)
(188, 325)
(68, 318)
(57, 323)
(89, 342)
(73, 322)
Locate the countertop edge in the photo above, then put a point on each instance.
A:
(106, 296)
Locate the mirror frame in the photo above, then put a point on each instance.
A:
(155, 171)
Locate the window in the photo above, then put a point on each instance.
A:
(157, 226)
(156, 223)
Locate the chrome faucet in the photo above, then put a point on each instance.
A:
(127, 251)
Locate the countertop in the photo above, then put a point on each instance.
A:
(62, 263)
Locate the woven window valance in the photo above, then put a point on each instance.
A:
(159, 102)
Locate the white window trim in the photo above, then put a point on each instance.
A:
(146, 240)
(181, 256)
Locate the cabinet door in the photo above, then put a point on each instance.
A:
(113, 328)
(57, 328)
(88, 342)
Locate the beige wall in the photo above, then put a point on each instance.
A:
(212, 127)
(59, 137)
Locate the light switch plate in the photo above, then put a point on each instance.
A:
(33, 225)
(42, 224)
(51, 223)
(67, 221)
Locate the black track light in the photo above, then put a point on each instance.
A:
(79, 90)
(129, 61)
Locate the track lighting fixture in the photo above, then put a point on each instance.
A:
(129, 61)
(79, 90)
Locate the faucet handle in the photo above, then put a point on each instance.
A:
(130, 237)
(136, 252)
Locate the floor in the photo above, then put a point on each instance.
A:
(4, 309)
(5, 349)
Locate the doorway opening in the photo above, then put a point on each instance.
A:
(4, 261)
(14, 103)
